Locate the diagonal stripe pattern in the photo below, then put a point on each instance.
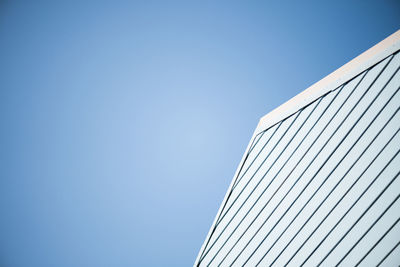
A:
(321, 186)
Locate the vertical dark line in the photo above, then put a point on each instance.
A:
(376, 243)
(341, 179)
(387, 255)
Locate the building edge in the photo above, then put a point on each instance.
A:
(345, 73)
(212, 228)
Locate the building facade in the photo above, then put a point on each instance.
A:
(319, 181)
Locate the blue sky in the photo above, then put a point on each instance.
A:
(122, 123)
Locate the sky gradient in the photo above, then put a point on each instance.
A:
(122, 123)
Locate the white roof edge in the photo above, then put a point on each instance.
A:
(330, 82)
(345, 73)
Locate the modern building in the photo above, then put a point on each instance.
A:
(319, 181)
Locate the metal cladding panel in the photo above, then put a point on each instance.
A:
(321, 186)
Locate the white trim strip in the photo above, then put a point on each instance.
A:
(345, 73)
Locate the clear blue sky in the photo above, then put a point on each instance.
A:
(122, 123)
